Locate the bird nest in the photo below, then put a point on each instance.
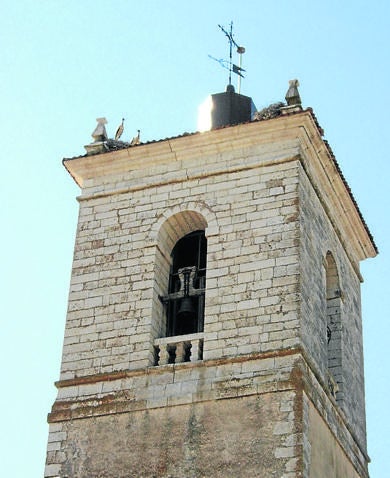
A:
(271, 111)
(115, 144)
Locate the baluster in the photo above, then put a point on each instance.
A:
(180, 352)
(194, 351)
(163, 355)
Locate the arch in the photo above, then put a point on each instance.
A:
(175, 224)
(198, 215)
(179, 225)
(332, 276)
(333, 327)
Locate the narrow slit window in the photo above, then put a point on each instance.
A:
(334, 328)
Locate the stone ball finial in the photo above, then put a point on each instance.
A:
(292, 95)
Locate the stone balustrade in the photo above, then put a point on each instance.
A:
(178, 349)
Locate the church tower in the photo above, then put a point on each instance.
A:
(214, 321)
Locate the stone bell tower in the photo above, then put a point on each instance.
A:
(214, 322)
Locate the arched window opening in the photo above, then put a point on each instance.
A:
(333, 328)
(187, 281)
(179, 287)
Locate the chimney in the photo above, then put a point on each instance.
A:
(225, 109)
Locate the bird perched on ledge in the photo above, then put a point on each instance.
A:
(136, 139)
(119, 131)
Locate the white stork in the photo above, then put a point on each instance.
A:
(136, 139)
(119, 131)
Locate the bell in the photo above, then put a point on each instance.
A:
(186, 317)
(186, 308)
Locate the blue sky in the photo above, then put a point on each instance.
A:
(65, 63)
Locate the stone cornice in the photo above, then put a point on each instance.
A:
(248, 145)
(184, 148)
(335, 196)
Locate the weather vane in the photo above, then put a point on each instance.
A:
(228, 64)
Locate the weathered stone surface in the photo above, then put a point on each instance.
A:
(272, 204)
(327, 458)
(237, 438)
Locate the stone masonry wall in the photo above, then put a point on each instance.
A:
(215, 419)
(317, 238)
(326, 456)
(239, 411)
(252, 269)
(237, 416)
(191, 441)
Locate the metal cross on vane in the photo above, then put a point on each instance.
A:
(237, 69)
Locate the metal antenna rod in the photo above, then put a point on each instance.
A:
(230, 52)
